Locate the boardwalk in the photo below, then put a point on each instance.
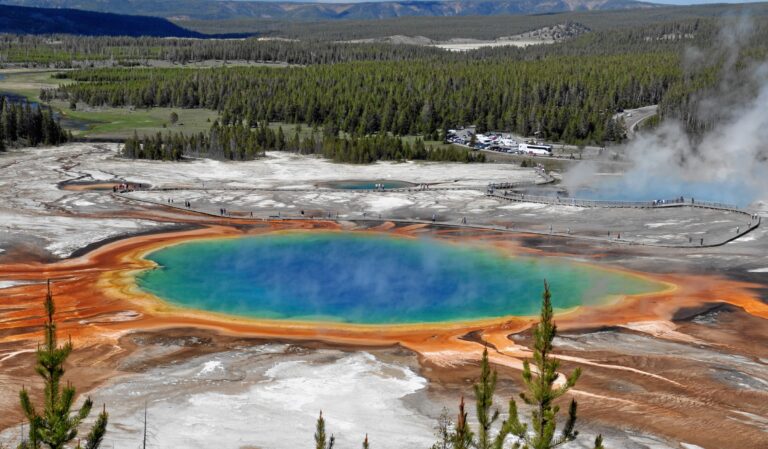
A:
(751, 221)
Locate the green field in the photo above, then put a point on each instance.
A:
(28, 83)
(116, 123)
(104, 122)
(431, 143)
(120, 123)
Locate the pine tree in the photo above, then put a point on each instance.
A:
(484, 390)
(542, 393)
(462, 435)
(280, 139)
(599, 442)
(57, 425)
(99, 429)
(321, 439)
(443, 431)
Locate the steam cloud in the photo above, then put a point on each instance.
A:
(728, 163)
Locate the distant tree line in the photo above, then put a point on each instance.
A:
(724, 82)
(474, 27)
(26, 124)
(235, 142)
(563, 92)
(240, 142)
(568, 99)
(382, 147)
(566, 91)
(637, 35)
(72, 51)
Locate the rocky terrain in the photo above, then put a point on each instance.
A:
(684, 369)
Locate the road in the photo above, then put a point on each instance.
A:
(633, 117)
(565, 155)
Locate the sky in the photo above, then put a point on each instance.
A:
(701, 2)
(661, 2)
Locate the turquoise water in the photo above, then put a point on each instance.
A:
(366, 185)
(370, 279)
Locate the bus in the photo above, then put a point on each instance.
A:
(537, 149)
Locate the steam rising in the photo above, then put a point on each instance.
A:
(728, 163)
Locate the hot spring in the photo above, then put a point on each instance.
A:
(372, 279)
(366, 184)
(625, 189)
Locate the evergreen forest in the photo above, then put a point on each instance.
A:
(567, 92)
(26, 124)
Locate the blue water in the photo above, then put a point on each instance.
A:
(16, 98)
(366, 185)
(370, 279)
(738, 192)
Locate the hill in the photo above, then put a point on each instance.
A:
(23, 20)
(475, 27)
(220, 10)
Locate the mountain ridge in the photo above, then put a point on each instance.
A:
(28, 20)
(307, 11)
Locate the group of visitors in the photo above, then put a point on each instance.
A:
(126, 187)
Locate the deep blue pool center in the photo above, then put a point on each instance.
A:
(371, 279)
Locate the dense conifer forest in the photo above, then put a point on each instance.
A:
(568, 91)
(72, 51)
(472, 27)
(239, 142)
(69, 51)
(568, 98)
(25, 124)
